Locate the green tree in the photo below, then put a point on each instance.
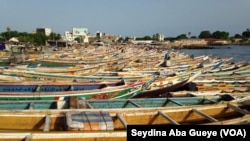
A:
(54, 36)
(37, 38)
(246, 33)
(40, 38)
(169, 39)
(144, 38)
(220, 35)
(182, 36)
(237, 36)
(147, 38)
(155, 37)
(25, 37)
(205, 34)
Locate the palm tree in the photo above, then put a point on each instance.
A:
(8, 30)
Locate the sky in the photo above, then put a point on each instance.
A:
(127, 17)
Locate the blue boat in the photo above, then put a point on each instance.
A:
(55, 87)
(33, 105)
(79, 103)
(147, 102)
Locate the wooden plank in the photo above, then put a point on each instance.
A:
(108, 120)
(89, 105)
(176, 102)
(61, 104)
(168, 118)
(237, 109)
(81, 104)
(135, 104)
(73, 102)
(31, 106)
(28, 138)
(47, 123)
(38, 88)
(205, 115)
(123, 121)
(126, 103)
(209, 100)
(72, 88)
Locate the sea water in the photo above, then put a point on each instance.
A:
(238, 52)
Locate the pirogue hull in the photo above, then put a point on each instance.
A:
(65, 125)
(79, 103)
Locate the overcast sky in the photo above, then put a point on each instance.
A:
(127, 17)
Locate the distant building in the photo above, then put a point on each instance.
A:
(160, 37)
(105, 38)
(81, 33)
(68, 36)
(46, 31)
(77, 32)
(98, 35)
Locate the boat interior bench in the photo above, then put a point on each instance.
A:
(89, 121)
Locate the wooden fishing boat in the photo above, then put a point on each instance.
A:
(56, 61)
(74, 70)
(81, 103)
(79, 78)
(240, 67)
(237, 85)
(184, 93)
(187, 93)
(5, 60)
(146, 102)
(125, 73)
(159, 88)
(111, 124)
(232, 77)
(34, 105)
(9, 78)
(104, 93)
(114, 92)
(162, 87)
(50, 86)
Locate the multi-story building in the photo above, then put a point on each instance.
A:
(77, 33)
(46, 31)
(68, 36)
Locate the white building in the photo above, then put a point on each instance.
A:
(46, 31)
(68, 36)
(77, 32)
(160, 37)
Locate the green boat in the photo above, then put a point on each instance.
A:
(114, 92)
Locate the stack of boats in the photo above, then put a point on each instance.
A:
(76, 94)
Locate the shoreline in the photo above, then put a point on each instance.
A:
(198, 47)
